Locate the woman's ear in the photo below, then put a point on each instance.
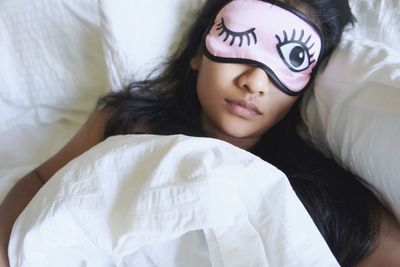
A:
(195, 62)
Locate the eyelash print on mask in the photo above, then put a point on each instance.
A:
(229, 33)
(295, 52)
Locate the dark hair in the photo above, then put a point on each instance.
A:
(343, 207)
(346, 213)
(167, 102)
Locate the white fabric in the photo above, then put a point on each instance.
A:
(139, 35)
(118, 201)
(51, 60)
(354, 110)
(377, 21)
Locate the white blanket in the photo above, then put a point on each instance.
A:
(130, 200)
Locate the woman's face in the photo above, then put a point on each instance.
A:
(239, 102)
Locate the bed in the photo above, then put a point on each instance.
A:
(58, 56)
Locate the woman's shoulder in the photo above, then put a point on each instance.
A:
(90, 134)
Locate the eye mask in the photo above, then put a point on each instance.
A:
(272, 36)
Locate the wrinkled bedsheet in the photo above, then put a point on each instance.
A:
(122, 202)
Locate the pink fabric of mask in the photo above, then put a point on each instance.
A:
(274, 37)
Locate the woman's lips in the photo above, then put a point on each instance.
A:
(243, 108)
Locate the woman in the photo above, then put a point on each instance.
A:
(216, 86)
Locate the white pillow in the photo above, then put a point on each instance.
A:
(138, 35)
(354, 111)
(377, 20)
(52, 64)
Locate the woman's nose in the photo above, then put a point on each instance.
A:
(254, 80)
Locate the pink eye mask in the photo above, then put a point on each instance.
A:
(276, 38)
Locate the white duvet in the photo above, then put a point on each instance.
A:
(146, 200)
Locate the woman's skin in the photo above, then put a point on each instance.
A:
(90, 134)
(239, 102)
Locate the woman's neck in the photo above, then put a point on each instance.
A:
(242, 142)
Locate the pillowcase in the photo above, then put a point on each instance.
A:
(354, 111)
(138, 36)
(52, 64)
(377, 21)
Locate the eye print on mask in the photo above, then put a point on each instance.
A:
(221, 28)
(295, 53)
